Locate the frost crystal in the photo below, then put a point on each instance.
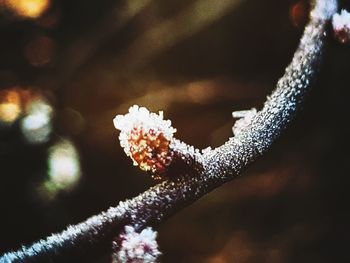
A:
(324, 9)
(341, 26)
(245, 118)
(136, 247)
(145, 137)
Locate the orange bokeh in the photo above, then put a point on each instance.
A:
(298, 13)
(13, 101)
(27, 8)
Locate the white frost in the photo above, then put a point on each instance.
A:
(341, 21)
(140, 117)
(245, 119)
(324, 9)
(137, 247)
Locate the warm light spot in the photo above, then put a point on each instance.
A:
(10, 106)
(217, 259)
(298, 13)
(27, 8)
(201, 92)
(28, 105)
(9, 112)
(40, 51)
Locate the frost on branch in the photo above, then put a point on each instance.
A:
(136, 247)
(145, 137)
(245, 118)
(341, 26)
(324, 9)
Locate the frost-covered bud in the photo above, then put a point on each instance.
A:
(244, 117)
(341, 26)
(324, 9)
(145, 137)
(136, 247)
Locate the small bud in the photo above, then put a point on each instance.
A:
(341, 26)
(136, 247)
(146, 138)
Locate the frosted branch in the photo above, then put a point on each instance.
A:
(206, 170)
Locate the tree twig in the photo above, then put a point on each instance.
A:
(217, 166)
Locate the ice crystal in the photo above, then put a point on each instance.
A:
(324, 9)
(145, 137)
(341, 26)
(136, 247)
(245, 118)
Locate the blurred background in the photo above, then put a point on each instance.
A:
(68, 67)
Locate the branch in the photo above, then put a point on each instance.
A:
(214, 168)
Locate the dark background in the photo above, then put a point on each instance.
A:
(198, 60)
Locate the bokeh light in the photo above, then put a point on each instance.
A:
(26, 8)
(64, 165)
(63, 172)
(27, 105)
(201, 92)
(40, 51)
(10, 106)
(36, 126)
(298, 13)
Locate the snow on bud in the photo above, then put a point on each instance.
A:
(146, 138)
(136, 247)
(341, 26)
